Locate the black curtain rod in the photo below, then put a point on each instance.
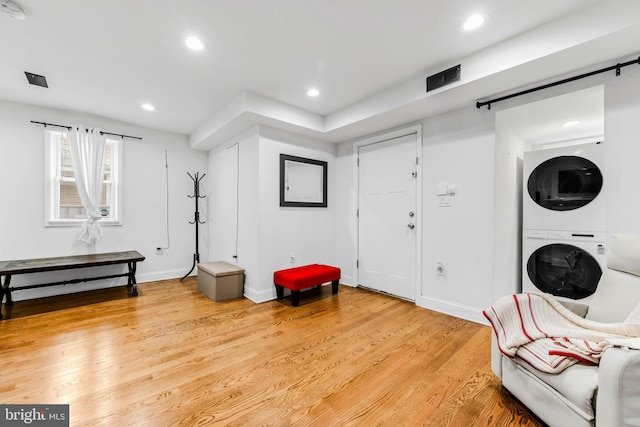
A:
(101, 132)
(616, 67)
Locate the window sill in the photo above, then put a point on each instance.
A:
(78, 223)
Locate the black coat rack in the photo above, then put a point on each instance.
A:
(196, 218)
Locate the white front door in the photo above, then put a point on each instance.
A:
(387, 216)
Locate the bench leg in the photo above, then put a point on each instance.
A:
(5, 292)
(131, 280)
(295, 298)
(334, 287)
(279, 291)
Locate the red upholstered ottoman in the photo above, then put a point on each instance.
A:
(303, 277)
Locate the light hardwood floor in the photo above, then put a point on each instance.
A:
(172, 357)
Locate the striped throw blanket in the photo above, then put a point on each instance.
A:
(550, 337)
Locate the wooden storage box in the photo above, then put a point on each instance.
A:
(220, 280)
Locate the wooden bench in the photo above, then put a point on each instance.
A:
(306, 276)
(39, 265)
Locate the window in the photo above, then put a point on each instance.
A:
(63, 206)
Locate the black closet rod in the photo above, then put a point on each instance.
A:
(101, 132)
(616, 67)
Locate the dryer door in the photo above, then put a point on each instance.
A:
(564, 270)
(564, 183)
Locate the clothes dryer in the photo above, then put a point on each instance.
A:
(563, 263)
(563, 189)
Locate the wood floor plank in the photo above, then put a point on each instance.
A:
(173, 357)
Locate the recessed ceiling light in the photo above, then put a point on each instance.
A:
(571, 123)
(473, 22)
(313, 92)
(148, 107)
(194, 43)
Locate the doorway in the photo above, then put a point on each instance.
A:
(533, 126)
(388, 220)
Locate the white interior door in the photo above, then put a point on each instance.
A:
(387, 216)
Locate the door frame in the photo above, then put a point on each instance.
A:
(382, 137)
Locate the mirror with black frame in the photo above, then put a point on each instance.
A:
(303, 182)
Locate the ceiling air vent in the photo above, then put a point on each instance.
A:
(443, 78)
(35, 79)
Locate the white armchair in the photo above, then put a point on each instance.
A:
(607, 395)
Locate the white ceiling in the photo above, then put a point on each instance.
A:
(368, 58)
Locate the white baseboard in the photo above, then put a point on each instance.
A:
(347, 280)
(260, 296)
(461, 311)
(162, 275)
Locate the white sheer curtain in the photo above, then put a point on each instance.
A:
(87, 155)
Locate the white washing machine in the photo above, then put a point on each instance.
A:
(563, 263)
(563, 189)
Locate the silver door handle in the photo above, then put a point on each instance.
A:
(411, 226)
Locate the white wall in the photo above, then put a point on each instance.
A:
(346, 200)
(270, 234)
(477, 238)
(234, 204)
(621, 127)
(622, 151)
(474, 238)
(144, 227)
(507, 218)
(458, 148)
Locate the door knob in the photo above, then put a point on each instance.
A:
(411, 226)
(411, 214)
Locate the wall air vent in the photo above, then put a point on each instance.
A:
(35, 79)
(443, 78)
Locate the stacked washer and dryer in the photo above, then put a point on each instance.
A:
(563, 220)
